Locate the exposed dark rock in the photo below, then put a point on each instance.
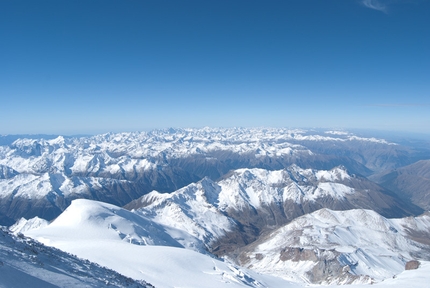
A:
(328, 268)
(412, 265)
(7, 172)
(297, 254)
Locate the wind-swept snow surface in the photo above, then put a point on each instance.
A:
(89, 220)
(26, 263)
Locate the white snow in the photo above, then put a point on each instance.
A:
(149, 243)
(257, 187)
(23, 225)
(26, 263)
(371, 244)
(89, 153)
(336, 174)
(92, 230)
(192, 209)
(335, 190)
(126, 155)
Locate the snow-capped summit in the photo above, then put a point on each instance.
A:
(193, 209)
(86, 219)
(23, 225)
(260, 187)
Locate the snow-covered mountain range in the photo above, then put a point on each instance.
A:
(225, 207)
(246, 203)
(331, 247)
(243, 217)
(40, 177)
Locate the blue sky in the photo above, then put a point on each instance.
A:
(70, 67)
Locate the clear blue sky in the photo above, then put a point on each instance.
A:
(69, 67)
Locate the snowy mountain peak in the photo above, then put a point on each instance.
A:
(246, 201)
(339, 173)
(350, 243)
(58, 142)
(23, 225)
(260, 187)
(87, 219)
(368, 219)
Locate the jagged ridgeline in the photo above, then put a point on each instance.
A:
(41, 176)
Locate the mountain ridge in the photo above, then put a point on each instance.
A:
(353, 245)
(249, 202)
(120, 167)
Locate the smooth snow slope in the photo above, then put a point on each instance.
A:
(85, 220)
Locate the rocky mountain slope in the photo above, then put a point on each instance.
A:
(246, 203)
(411, 182)
(340, 247)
